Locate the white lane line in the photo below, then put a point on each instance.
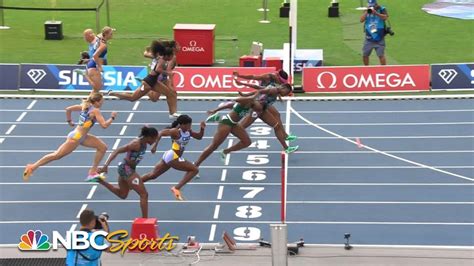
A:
(224, 175)
(130, 116)
(72, 228)
(33, 104)
(21, 116)
(243, 202)
(84, 206)
(216, 211)
(212, 233)
(91, 192)
(135, 107)
(253, 137)
(123, 130)
(116, 144)
(381, 152)
(255, 222)
(264, 167)
(220, 192)
(2, 140)
(12, 127)
(227, 157)
(268, 152)
(360, 184)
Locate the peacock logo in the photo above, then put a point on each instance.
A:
(34, 241)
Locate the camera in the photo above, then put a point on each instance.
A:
(389, 30)
(370, 10)
(104, 217)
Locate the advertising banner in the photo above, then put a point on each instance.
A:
(452, 76)
(214, 79)
(63, 77)
(367, 79)
(9, 76)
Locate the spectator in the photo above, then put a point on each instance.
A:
(374, 27)
(90, 256)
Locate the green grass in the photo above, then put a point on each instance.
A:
(420, 38)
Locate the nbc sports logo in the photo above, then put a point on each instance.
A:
(34, 241)
(36, 75)
(447, 75)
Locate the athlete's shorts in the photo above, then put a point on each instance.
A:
(163, 77)
(76, 135)
(171, 155)
(124, 170)
(91, 64)
(151, 80)
(226, 120)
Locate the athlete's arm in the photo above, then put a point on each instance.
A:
(253, 86)
(200, 134)
(101, 120)
(132, 146)
(228, 105)
(263, 77)
(69, 110)
(99, 51)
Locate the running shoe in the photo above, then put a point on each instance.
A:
(213, 118)
(177, 193)
(291, 149)
(291, 138)
(28, 172)
(79, 71)
(109, 92)
(222, 155)
(174, 116)
(95, 177)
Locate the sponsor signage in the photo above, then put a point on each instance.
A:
(367, 79)
(63, 77)
(452, 76)
(196, 44)
(9, 76)
(214, 79)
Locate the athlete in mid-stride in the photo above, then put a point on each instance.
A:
(89, 115)
(155, 83)
(230, 124)
(267, 96)
(128, 178)
(98, 53)
(180, 133)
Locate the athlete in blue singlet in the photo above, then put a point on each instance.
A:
(90, 114)
(180, 133)
(97, 52)
(128, 178)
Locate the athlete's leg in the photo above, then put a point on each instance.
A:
(136, 184)
(121, 191)
(222, 132)
(159, 169)
(137, 94)
(244, 140)
(92, 141)
(66, 148)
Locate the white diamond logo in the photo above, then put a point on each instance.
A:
(447, 75)
(36, 75)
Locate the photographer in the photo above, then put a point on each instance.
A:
(89, 223)
(374, 27)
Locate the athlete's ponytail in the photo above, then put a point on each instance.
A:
(93, 98)
(181, 120)
(148, 132)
